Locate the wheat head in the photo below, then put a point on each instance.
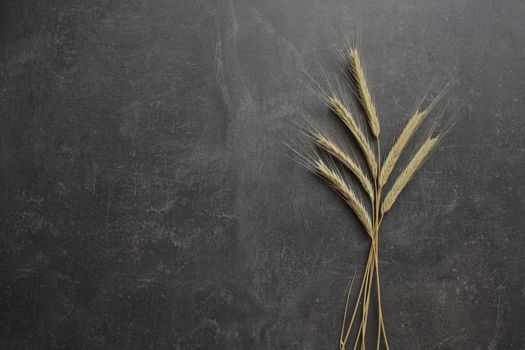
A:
(406, 175)
(365, 97)
(342, 156)
(405, 136)
(337, 106)
(395, 152)
(336, 181)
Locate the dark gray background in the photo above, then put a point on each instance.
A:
(148, 201)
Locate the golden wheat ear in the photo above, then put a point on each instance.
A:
(338, 107)
(404, 138)
(408, 173)
(365, 97)
(311, 159)
(336, 181)
(338, 152)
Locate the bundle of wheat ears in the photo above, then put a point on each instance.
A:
(331, 160)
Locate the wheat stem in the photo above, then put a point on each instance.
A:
(354, 313)
(381, 324)
(378, 302)
(367, 304)
(341, 343)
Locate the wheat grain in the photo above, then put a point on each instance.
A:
(340, 186)
(365, 97)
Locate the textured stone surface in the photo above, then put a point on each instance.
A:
(148, 200)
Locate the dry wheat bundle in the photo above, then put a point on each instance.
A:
(329, 159)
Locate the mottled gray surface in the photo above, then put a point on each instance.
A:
(148, 201)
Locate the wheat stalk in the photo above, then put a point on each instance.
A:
(371, 217)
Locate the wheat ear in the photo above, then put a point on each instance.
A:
(404, 138)
(346, 117)
(395, 152)
(406, 175)
(364, 95)
(336, 181)
(342, 156)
